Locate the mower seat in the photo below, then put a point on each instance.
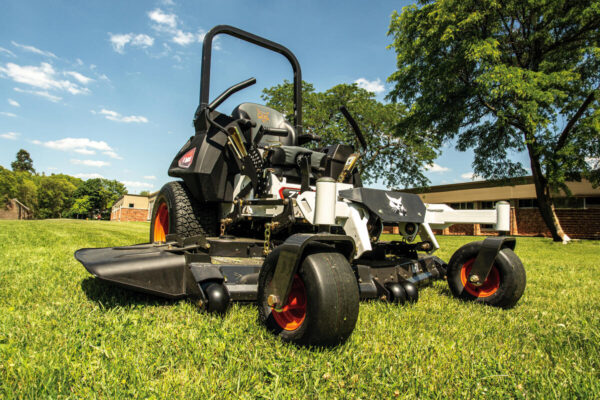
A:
(267, 118)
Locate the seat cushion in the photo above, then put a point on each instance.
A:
(268, 118)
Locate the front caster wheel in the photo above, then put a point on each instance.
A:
(322, 307)
(504, 285)
(397, 293)
(412, 293)
(217, 298)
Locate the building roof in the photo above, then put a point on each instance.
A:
(515, 188)
(21, 204)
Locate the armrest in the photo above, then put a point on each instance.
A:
(307, 137)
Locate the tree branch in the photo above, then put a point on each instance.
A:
(511, 40)
(572, 38)
(562, 140)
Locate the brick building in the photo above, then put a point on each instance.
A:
(579, 215)
(130, 207)
(14, 209)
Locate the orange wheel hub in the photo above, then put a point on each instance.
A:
(161, 223)
(294, 312)
(488, 288)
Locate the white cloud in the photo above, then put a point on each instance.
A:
(6, 51)
(41, 93)
(436, 168)
(8, 114)
(86, 152)
(142, 40)
(71, 144)
(79, 77)
(35, 50)
(90, 163)
(115, 116)
(372, 86)
(167, 24)
(120, 40)
(150, 177)
(10, 135)
(162, 18)
(88, 176)
(471, 176)
(13, 103)
(184, 38)
(43, 77)
(112, 154)
(138, 185)
(81, 146)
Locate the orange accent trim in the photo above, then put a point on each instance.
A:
(161, 223)
(489, 287)
(293, 313)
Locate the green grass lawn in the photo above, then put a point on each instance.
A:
(65, 335)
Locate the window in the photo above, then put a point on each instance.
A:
(487, 205)
(463, 206)
(568, 202)
(592, 202)
(130, 205)
(528, 203)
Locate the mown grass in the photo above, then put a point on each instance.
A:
(65, 335)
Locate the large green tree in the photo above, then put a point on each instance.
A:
(23, 162)
(55, 196)
(394, 159)
(101, 194)
(502, 76)
(8, 186)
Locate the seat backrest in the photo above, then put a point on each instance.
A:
(268, 118)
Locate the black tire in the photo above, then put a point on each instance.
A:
(503, 287)
(185, 215)
(330, 297)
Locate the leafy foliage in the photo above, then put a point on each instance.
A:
(396, 159)
(23, 162)
(55, 196)
(501, 76)
(8, 185)
(58, 195)
(101, 194)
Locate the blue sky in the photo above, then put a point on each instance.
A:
(109, 88)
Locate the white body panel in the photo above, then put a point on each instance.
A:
(353, 217)
(440, 216)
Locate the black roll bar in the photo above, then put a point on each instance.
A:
(259, 41)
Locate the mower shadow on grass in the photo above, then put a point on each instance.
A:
(111, 296)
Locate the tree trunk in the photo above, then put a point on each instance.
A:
(544, 198)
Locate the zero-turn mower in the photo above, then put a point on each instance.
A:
(258, 217)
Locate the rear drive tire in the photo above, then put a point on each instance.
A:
(322, 307)
(504, 285)
(175, 211)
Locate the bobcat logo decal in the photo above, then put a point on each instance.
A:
(262, 115)
(396, 205)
